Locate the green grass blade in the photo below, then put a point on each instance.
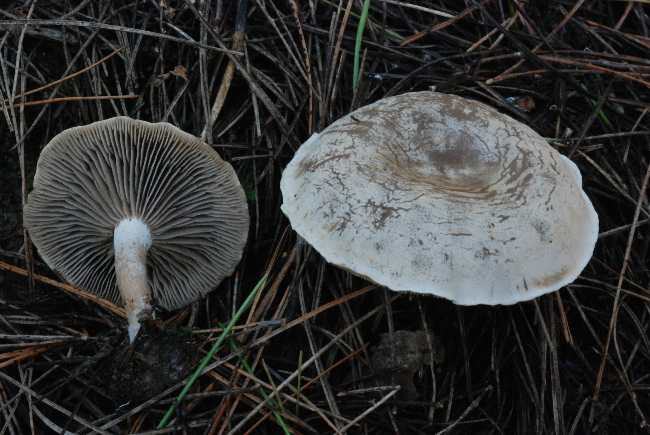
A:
(262, 391)
(210, 354)
(275, 389)
(357, 45)
(602, 115)
(375, 25)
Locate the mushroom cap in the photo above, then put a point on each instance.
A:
(435, 193)
(92, 177)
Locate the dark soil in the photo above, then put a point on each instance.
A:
(159, 358)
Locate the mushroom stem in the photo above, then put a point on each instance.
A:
(132, 239)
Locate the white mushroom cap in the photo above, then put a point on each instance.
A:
(434, 193)
(174, 203)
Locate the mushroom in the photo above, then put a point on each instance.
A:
(141, 212)
(433, 193)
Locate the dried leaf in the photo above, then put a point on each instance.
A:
(179, 71)
(525, 102)
(157, 80)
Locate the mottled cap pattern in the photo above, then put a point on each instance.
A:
(90, 178)
(434, 193)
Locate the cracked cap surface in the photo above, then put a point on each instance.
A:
(435, 193)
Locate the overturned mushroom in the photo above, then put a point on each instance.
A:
(138, 210)
(435, 193)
